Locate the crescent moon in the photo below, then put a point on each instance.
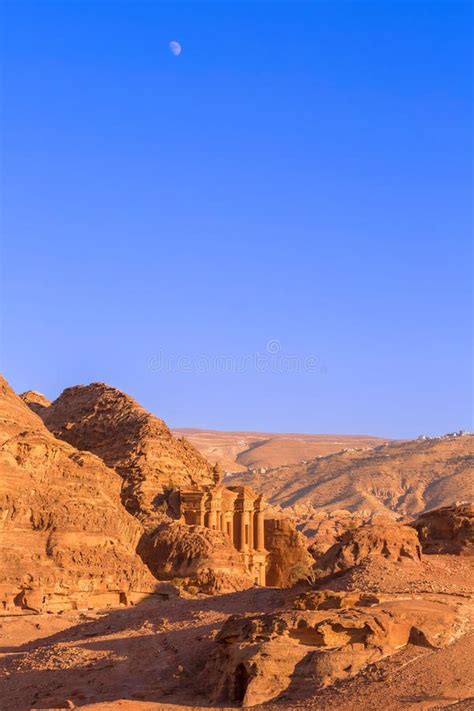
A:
(175, 48)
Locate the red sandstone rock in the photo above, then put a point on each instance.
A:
(393, 542)
(260, 657)
(447, 530)
(138, 445)
(201, 557)
(66, 540)
(333, 600)
(35, 401)
(288, 559)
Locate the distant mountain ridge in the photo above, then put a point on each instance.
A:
(400, 478)
(239, 451)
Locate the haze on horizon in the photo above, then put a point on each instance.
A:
(270, 231)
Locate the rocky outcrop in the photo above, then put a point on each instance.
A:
(202, 558)
(447, 530)
(288, 559)
(138, 445)
(66, 541)
(259, 658)
(392, 542)
(333, 600)
(324, 528)
(35, 401)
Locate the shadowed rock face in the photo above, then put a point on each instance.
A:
(65, 537)
(447, 530)
(138, 445)
(393, 542)
(201, 557)
(258, 657)
(288, 557)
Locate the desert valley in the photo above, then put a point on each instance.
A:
(148, 569)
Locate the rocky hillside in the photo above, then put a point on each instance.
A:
(65, 538)
(402, 478)
(239, 451)
(138, 445)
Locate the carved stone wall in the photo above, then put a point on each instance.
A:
(238, 512)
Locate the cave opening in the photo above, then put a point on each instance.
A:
(241, 682)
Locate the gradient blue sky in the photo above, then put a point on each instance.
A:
(300, 173)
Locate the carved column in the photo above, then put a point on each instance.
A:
(212, 519)
(251, 532)
(243, 544)
(260, 531)
(200, 516)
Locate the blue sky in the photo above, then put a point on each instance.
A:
(298, 180)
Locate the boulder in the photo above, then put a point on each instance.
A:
(447, 530)
(200, 557)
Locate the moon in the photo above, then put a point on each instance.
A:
(175, 48)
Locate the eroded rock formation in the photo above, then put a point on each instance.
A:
(288, 559)
(164, 478)
(447, 530)
(333, 600)
(66, 541)
(201, 557)
(35, 401)
(393, 542)
(259, 657)
(138, 445)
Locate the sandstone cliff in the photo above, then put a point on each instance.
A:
(138, 445)
(66, 541)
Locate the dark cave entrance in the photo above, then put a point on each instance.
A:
(241, 682)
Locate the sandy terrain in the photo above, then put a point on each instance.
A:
(148, 655)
